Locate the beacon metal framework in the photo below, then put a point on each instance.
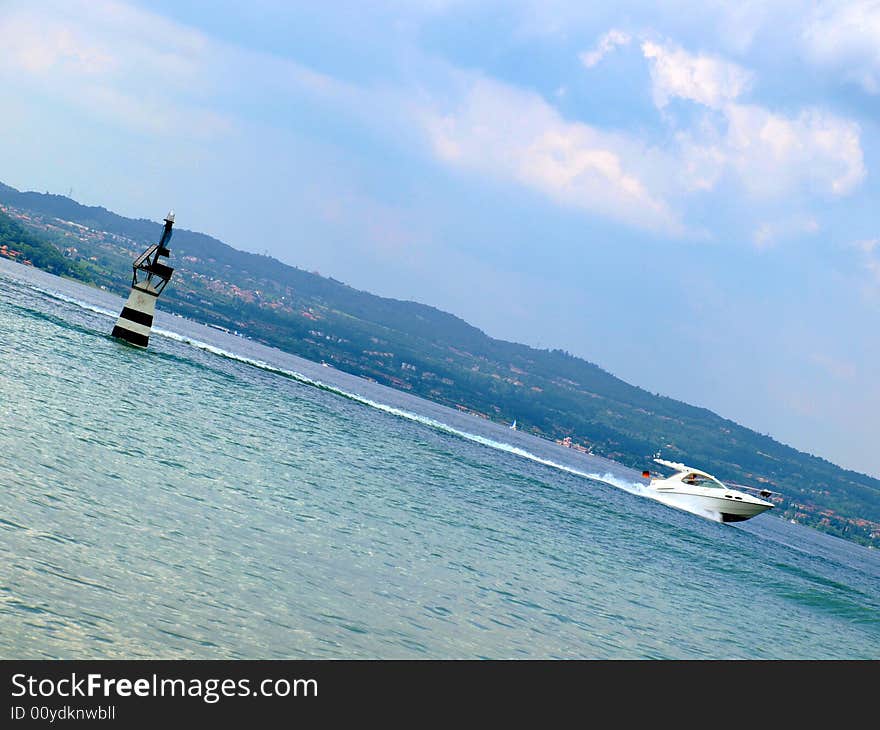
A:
(148, 280)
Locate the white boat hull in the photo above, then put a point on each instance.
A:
(720, 509)
(699, 492)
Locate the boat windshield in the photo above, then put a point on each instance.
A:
(701, 480)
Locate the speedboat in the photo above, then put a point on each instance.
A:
(696, 491)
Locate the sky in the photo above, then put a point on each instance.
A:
(684, 193)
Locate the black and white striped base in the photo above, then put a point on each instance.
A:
(136, 319)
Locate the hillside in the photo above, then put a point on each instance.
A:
(441, 357)
(19, 243)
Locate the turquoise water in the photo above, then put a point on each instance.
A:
(207, 498)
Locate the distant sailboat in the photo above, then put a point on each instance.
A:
(513, 425)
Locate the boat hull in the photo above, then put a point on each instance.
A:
(699, 492)
(720, 508)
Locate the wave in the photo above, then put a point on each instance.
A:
(55, 294)
(632, 487)
(613, 480)
(607, 478)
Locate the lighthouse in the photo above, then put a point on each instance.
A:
(148, 279)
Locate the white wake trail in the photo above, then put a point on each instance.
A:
(632, 487)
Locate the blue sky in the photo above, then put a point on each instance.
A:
(684, 194)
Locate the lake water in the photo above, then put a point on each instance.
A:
(214, 498)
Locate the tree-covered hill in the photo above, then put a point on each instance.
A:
(19, 243)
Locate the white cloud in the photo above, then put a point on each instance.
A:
(767, 153)
(117, 63)
(607, 43)
(707, 80)
(42, 48)
(143, 73)
(103, 37)
(774, 154)
(498, 130)
(131, 68)
(703, 158)
(846, 37)
(737, 24)
(869, 252)
(771, 232)
(512, 134)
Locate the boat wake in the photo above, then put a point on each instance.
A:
(392, 410)
(53, 294)
(630, 486)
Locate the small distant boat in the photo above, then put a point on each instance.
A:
(697, 491)
(513, 425)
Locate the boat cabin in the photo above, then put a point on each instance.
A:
(699, 479)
